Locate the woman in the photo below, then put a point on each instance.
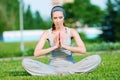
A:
(61, 60)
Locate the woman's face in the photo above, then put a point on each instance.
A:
(58, 18)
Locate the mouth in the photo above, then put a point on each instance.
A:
(58, 23)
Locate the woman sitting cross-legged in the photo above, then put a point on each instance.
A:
(61, 59)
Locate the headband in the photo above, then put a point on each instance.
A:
(58, 8)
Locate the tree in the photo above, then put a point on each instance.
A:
(116, 24)
(112, 20)
(84, 12)
(9, 15)
(39, 22)
(3, 19)
(28, 19)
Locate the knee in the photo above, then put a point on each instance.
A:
(25, 61)
(97, 58)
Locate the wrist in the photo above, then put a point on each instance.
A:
(55, 47)
(63, 46)
(66, 47)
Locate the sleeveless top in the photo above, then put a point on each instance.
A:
(61, 57)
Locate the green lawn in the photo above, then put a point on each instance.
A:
(13, 49)
(107, 70)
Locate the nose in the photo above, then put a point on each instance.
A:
(58, 20)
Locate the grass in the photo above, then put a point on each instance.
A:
(107, 70)
(13, 49)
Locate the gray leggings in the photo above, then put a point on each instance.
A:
(37, 68)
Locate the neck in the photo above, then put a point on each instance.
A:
(59, 28)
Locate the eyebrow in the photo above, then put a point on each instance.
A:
(59, 16)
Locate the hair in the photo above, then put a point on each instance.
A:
(57, 8)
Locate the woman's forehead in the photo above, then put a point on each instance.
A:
(58, 13)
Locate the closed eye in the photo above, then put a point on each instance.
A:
(60, 17)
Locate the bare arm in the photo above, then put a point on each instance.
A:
(39, 48)
(80, 48)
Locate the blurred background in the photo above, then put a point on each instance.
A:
(23, 21)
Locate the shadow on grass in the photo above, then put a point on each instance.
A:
(18, 73)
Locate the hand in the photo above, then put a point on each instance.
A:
(62, 37)
(57, 41)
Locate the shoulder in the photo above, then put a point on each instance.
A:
(73, 32)
(45, 34)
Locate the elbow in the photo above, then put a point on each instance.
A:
(35, 55)
(83, 51)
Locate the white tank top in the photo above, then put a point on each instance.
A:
(61, 57)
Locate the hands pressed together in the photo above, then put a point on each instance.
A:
(59, 39)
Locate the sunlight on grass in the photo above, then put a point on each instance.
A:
(108, 70)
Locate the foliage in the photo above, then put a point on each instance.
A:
(84, 12)
(103, 46)
(9, 12)
(112, 17)
(107, 70)
(28, 19)
(34, 21)
(9, 17)
(13, 49)
(39, 23)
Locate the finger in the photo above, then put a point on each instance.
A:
(58, 36)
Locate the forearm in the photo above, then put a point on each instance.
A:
(81, 50)
(38, 52)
